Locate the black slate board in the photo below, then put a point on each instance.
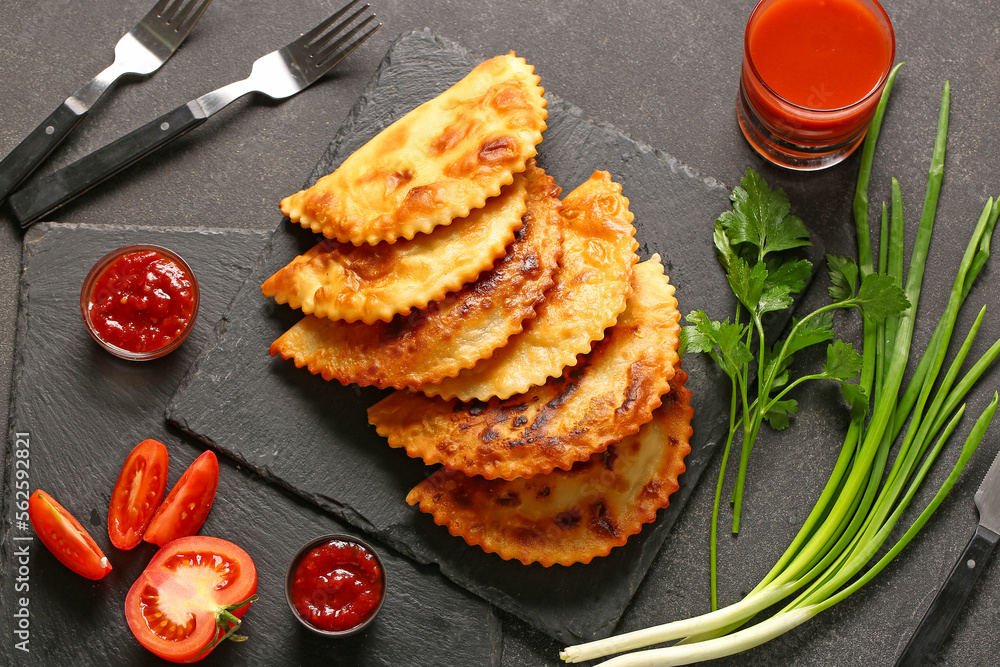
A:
(313, 437)
(84, 410)
(339, 463)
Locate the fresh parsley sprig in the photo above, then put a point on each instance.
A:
(753, 243)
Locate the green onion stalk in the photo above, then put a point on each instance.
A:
(831, 556)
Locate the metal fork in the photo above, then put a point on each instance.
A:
(142, 50)
(278, 75)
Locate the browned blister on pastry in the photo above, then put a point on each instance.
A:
(438, 341)
(608, 395)
(569, 516)
(370, 283)
(592, 284)
(433, 165)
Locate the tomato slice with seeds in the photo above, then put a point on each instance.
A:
(188, 503)
(137, 493)
(190, 597)
(63, 535)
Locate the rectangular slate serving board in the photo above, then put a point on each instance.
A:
(84, 410)
(312, 436)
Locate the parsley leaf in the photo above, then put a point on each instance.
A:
(722, 340)
(842, 361)
(731, 344)
(747, 284)
(814, 330)
(723, 248)
(760, 217)
(879, 297)
(856, 398)
(782, 282)
(843, 275)
(778, 415)
(696, 338)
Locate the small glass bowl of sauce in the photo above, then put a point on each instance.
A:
(140, 302)
(335, 585)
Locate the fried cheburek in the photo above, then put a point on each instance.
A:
(592, 284)
(433, 165)
(569, 516)
(608, 395)
(369, 283)
(446, 336)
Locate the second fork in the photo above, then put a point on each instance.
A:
(278, 75)
(142, 50)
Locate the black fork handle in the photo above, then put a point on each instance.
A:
(45, 195)
(27, 155)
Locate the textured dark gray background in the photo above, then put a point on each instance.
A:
(665, 73)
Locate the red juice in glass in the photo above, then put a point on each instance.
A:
(813, 71)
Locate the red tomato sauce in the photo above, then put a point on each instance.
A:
(142, 301)
(337, 585)
(820, 54)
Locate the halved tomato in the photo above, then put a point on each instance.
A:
(63, 535)
(190, 597)
(137, 493)
(188, 503)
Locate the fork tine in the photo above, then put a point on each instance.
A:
(317, 44)
(180, 13)
(307, 38)
(157, 10)
(194, 16)
(327, 59)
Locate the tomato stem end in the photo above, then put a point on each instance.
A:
(226, 625)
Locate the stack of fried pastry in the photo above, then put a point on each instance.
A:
(534, 358)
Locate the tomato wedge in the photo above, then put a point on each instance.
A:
(188, 503)
(137, 493)
(63, 535)
(190, 597)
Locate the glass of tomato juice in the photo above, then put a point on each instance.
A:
(813, 72)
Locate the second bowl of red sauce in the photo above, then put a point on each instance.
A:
(140, 302)
(335, 585)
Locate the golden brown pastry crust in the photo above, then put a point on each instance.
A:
(569, 516)
(370, 283)
(433, 165)
(592, 284)
(437, 342)
(608, 395)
